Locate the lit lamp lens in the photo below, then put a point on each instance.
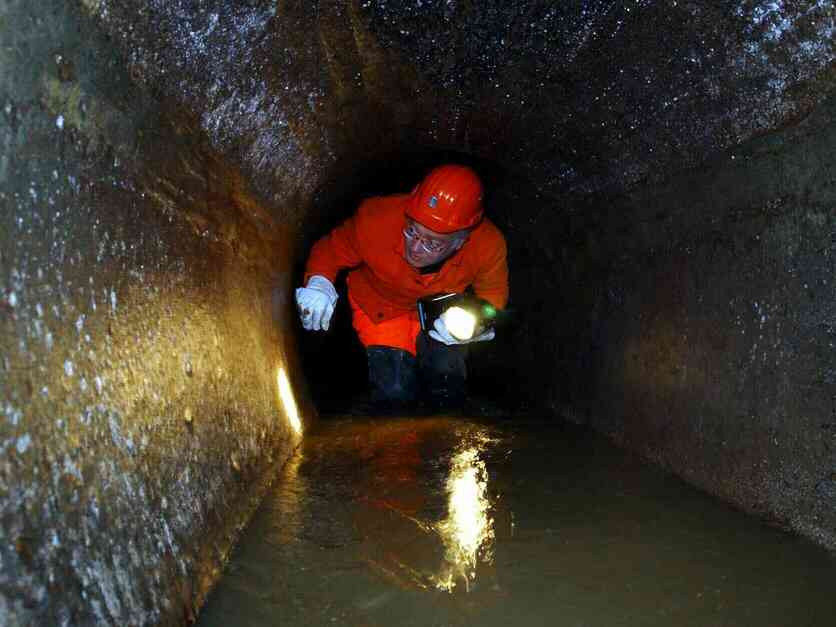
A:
(460, 322)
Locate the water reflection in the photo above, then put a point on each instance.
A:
(400, 522)
(468, 530)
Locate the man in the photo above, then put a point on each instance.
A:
(399, 249)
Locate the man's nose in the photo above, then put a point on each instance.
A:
(414, 245)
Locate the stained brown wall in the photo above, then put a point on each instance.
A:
(662, 173)
(141, 313)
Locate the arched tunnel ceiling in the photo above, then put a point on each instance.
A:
(152, 210)
(579, 97)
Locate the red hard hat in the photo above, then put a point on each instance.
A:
(448, 199)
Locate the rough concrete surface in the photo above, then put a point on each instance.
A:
(720, 336)
(662, 171)
(139, 409)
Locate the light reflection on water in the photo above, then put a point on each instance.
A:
(468, 530)
(438, 521)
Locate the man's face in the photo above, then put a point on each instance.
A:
(424, 247)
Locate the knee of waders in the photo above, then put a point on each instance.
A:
(393, 376)
(443, 372)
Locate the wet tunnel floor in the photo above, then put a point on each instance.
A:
(436, 521)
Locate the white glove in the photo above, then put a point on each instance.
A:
(316, 303)
(440, 333)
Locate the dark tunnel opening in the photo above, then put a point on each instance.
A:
(662, 172)
(335, 362)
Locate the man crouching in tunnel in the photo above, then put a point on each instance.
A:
(399, 250)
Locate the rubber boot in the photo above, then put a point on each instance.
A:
(443, 373)
(393, 378)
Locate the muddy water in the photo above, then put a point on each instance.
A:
(453, 522)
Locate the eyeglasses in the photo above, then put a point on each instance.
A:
(430, 245)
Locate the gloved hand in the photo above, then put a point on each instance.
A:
(316, 303)
(440, 333)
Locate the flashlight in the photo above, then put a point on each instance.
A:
(464, 315)
(460, 322)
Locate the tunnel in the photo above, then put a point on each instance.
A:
(663, 173)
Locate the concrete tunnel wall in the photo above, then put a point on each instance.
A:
(663, 172)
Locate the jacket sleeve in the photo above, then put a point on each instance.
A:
(335, 251)
(491, 282)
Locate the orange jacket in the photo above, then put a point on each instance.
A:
(383, 284)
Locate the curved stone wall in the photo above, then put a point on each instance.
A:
(142, 301)
(662, 172)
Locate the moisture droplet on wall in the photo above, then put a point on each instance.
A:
(23, 443)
